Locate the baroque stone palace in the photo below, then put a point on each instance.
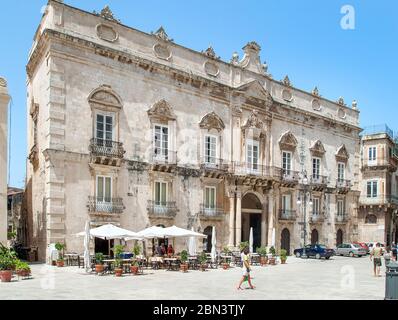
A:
(131, 128)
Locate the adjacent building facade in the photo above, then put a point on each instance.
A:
(377, 215)
(130, 128)
(4, 100)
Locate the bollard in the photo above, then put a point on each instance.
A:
(392, 281)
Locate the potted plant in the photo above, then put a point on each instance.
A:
(203, 261)
(60, 248)
(243, 245)
(184, 259)
(283, 256)
(99, 262)
(118, 249)
(272, 259)
(22, 269)
(137, 251)
(8, 260)
(262, 251)
(227, 252)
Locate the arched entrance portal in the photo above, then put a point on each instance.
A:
(314, 236)
(285, 240)
(251, 218)
(207, 241)
(339, 237)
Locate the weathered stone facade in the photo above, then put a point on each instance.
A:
(134, 129)
(377, 217)
(4, 100)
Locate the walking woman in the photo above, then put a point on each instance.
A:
(376, 254)
(245, 269)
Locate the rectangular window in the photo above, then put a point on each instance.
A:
(341, 171)
(210, 197)
(104, 128)
(316, 168)
(252, 155)
(160, 193)
(315, 206)
(104, 189)
(161, 141)
(286, 163)
(210, 150)
(340, 207)
(286, 202)
(371, 189)
(372, 156)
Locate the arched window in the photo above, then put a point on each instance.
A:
(371, 219)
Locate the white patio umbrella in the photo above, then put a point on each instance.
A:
(152, 232)
(109, 231)
(176, 232)
(87, 262)
(273, 238)
(192, 245)
(213, 245)
(251, 241)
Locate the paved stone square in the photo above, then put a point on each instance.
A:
(338, 278)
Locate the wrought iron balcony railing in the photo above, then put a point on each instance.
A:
(206, 211)
(378, 200)
(287, 215)
(211, 163)
(318, 180)
(342, 183)
(163, 156)
(106, 148)
(162, 209)
(105, 205)
(244, 168)
(290, 175)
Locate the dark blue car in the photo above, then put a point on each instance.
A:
(315, 250)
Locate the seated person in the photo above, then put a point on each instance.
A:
(170, 251)
(159, 251)
(163, 250)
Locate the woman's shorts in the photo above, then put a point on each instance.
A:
(245, 273)
(377, 262)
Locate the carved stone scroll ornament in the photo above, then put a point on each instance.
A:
(211, 69)
(316, 105)
(251, 60)
(161, 110)
(287, 95)
(162, 51)
(341, 113)
(3, 82)
(254, 126)
(162, 35)
(212, 121)
(209, 52)
(342, 154)
(107, 14)
(317, 149)
(105, 96)
(288, 141)
(107, 33)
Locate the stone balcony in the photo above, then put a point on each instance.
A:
(289, 178)
(166, 210)
(341, 218)
(106, 152)
(318, 182)
(287, 215)
(210, 213)
(317, 218)
(255, 174)
(163, 160)
(343, 186)
(213, 167)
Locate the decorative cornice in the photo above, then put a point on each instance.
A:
(107, 14)
(342, 154)
(317, 148)
(288, 141)
(212, 121)
(286, 81)
(341, 102)
(162, 110)
(315, 92)
(209, 52)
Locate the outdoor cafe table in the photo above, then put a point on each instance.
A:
(170, 262)
(156, 262)
(109, 262)
(70, 257)
(226, 259)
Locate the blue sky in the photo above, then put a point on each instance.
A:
(303, 39)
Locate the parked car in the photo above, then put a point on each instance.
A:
(315, 250)
(363, 245)
(351, 250)
(373, 244)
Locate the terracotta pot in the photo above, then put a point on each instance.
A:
(23, 273)
(53, 263)
(99, 268)
(60, 263)
(6, 275)
(272, 261)
(203, 267)
(118, 272)
(225, 266)
(184, 267)
(283, 261)
(134, 269)
(263, 261)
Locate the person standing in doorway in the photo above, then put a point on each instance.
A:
(394, 251)
(245, 269)
(376, 254)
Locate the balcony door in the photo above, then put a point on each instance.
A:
(160, 194)
(104, 133)
(210, 150)
(210, 200)
(316, 168)
(341, 172)
(287, 163)
(161, 143)
(104, 193)
(252, 155)
(286, 208)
